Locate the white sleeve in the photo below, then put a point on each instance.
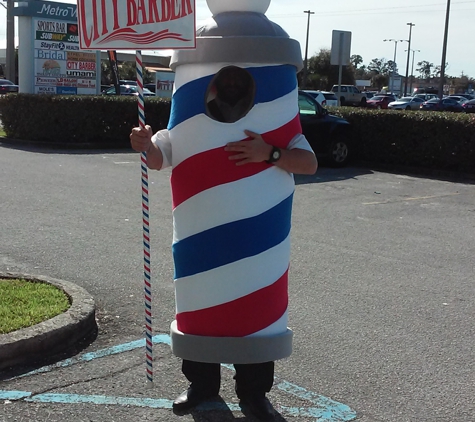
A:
(162, 140)
(299, 142)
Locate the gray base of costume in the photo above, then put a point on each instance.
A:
(253, 349)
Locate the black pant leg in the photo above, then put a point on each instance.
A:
(205, 378)
(254, 380)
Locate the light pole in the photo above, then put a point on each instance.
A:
(408, 56)
(394, 61)
(412, 67)
(304, 79)
(10, 53)
(444, 52)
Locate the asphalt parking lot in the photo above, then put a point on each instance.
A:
(381, 293)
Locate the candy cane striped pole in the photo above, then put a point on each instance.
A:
(146, 231)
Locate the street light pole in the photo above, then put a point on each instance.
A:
(10, 53)
(305, 70)
(394, 61)
(408, 56)
(412, 67)
(444, 52)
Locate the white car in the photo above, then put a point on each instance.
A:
(406, 103)
(324, 98)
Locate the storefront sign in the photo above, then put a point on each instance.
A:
(136, 24)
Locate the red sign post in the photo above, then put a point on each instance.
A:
(137, 25)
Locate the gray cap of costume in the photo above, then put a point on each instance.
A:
(241, 37)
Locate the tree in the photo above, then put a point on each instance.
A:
(425, 69)
(379, 66)
(356, 60)
(128, 71)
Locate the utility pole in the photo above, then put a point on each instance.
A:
(444, 52)
(394, 61)
(408, 56)
(305, 70)
(10, 54)
(412, 67)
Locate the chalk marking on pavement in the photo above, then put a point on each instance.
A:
(87, 357)
(417, 198)
(323, 409)
(322, 414)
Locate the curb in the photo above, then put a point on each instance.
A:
(53, 336)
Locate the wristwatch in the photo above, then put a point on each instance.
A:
(274, 155)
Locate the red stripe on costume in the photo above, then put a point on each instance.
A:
(213, 168)
(241, 317)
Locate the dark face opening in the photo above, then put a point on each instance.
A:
(230, 95)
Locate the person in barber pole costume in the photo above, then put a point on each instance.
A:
(233, 142)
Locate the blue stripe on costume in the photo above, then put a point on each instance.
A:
(232, 241)
(272, 82)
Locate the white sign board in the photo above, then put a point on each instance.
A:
(59, 66)
(341, 48)
(136, 24)
(164, 83)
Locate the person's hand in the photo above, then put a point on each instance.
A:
(254, 150)
(141, 139)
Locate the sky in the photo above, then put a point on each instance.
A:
(370, 22)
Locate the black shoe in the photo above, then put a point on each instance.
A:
(260, 407)
(189, 399)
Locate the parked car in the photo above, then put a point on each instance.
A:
(324, 98)
(350, 95)
(469, 106)
(444, 104)
(127, 82)
(151, 87)
(458, 98)
(426, 97)
(128, 90)
(380, 101)
(7, 86)
(327, 134)
(468, 96)
(406, 103)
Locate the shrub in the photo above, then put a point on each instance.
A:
(95, 121)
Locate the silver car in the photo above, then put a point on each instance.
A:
(406, 103)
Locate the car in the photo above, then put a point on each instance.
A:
(7, 86)
(349, 95)
(426, 97)
(325, 98)
(444, 104)
(469, 106)
(380, 101)
(328, 135)
(151, 87)
(127, 82)
(458, 98)
(128, 90)
(406, 103)
(468, 96)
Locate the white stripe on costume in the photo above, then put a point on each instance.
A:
(238, 200)
(232, 281)
(276, 328)
(201, 133)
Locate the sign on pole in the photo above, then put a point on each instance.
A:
(136, 24)
(340, 54)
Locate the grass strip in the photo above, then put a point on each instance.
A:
(25, 303)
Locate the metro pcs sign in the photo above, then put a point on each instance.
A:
(136, 24)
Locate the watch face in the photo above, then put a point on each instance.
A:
(276, 155)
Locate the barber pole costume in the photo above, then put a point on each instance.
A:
(231, 243)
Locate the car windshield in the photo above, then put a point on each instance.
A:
(330, 96)
(6, 82)
(434, 100)
(377, 98)
(306, 105)
(405, 99)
